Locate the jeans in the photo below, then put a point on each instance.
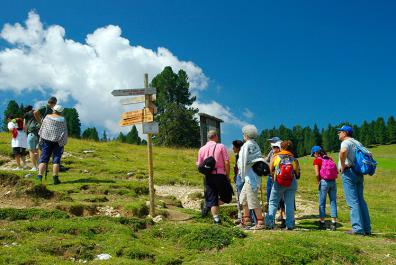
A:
(276, 194)
(269, 187)
(327, 187)
(353, 190)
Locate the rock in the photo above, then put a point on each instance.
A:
(158, 219)
(88, 151)
(130, 174)
(7, 193)
(85, 171)
(28, 176)
(103, 256)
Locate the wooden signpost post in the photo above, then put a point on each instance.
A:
(145, 116)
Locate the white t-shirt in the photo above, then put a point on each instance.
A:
(350, 146)
(21, 139)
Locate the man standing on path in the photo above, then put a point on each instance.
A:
(353, 183)
(218, 189)
(43, 111)
(32, 127)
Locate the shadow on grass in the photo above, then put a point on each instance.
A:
(314, 224)
(88, 180)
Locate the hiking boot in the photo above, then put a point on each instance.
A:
(351, 232)
(39, 178)
(333, 226)
(322, 225)
(56, 180)
(283, 224)
(204, 210)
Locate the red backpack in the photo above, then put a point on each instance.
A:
(284, 173)
(328, 170)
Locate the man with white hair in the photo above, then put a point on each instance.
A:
(218, 189)
(249, 199)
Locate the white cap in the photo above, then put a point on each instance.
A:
(58, 108)
(277, 144)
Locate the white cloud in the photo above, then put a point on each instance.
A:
(248, 114)
(42, 59)
(215, 109)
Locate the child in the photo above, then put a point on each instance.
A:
(326, 173)
(18, 141)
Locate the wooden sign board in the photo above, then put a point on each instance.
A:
(134, 92)
(136, 116)
(151, 127)
(135, 100)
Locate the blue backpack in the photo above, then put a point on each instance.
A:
(364, 161)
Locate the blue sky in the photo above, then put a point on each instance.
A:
(288, 62)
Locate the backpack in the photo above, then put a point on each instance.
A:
(328, 170)
(285, 171)
(208, 165)
(261, 168)
(364, 162)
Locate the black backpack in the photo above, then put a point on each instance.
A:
(208, 165)
(261, 168)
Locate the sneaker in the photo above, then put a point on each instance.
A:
(217, 221)
(39, 178)
(17, 168)
(351, 232)
(290, 228)
(204, 210)
(34, 169)
(333, 226)
(322, 225)
(56, 180)
(283, 224)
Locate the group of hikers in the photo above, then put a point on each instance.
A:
(42, 132)
(282, 169)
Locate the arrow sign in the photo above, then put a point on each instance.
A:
(136, 116)
(134, 92)
(135, 100)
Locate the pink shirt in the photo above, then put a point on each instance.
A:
(220, 155)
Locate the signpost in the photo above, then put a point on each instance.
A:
(145, 116)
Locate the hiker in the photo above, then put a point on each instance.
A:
(18, 141)
(275, 148)
(32, 128)
(249, 199)
(45, 110)
(53, 137)
(353, 182)
(326, 175)
(218, 189)
(236, 147)
(285, 170)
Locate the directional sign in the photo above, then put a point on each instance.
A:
(135, 100)
(151, 127)
(137, 116)
(134, 92)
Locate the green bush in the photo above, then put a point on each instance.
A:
(29, 214)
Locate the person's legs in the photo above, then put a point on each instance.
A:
(289, 196)
(56, 159)
(32, 147)
(243, 200)
(269, 187)
(276, 194)
(333, 200)
(18, 160)
(349, 183)
(323, 190)
(363, 205)
(46, 150)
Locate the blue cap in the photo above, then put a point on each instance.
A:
(345, 128)
(274, 139)
(315, 149)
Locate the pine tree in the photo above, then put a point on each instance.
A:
(121, 138)
(391, 130)
(380, 132)
(12, 109)
(104, 137)
(73, 122)
(177, 123)
(90, 134)
(133, 136)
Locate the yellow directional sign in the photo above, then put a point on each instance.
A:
(137, 116)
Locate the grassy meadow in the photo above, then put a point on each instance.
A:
(47, 224)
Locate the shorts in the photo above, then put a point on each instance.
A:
(49, 148)
(32, 141)
(249, 197)
(217, 187)
(18, 151)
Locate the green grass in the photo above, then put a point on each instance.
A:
(59, 229)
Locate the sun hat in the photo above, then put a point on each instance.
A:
(277, 144)
(58, 108)
(274, 139)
